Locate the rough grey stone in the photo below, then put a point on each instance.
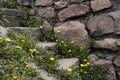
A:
(105, 64)
(26, 2)
(45, 75)
(73, 31)
(46, 45)
(35, 32)
(68, 62)
(97, 5)
(42, 73)
(43, 2)
(73, 11)
(11, 21)
(92, 58)
(11, 12)
(107, 43)
(60, 4)
(3, 31)
(47, 12)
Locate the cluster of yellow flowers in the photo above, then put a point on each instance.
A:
(85, 64)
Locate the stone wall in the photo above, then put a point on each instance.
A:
(94, 24)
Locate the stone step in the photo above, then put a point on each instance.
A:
(42, 73)
(68, 63)
(46, 46)
(35, 32)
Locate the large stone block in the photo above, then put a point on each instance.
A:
(107, 43)
(73, 31)
(97, 5)
(73, 11)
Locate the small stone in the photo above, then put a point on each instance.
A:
(60, 4)
(47, 12)
(73, 11)
(45, 75)
(92, 58)
(68, 63)
(105, 64)
(98, 5)
(32, 12)
(111, 77)
(43, 2)
(117, 61)
(47, 25)
(26, 2)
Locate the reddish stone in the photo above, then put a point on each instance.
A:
(97, 5)
(117, 61)
(47, 12)
(73, 11)
(105, 64)
(46, 24)
(111, 77)
(43, 2)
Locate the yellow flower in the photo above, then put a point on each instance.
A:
(81, 48)
(8, 40)
(58, 31)
(88, 63)
(23, 40)
(32, 56)
(82, 65)
(52, 59)
(85, 72)
(65, 45)
(27, 65)
(18, 47)
(85, 60)
(69, 69)
(4, 62)
(14, 77)
(69, 50)
(31, 50)
(1, 38)
(62, 41)
(26, 62)
(72, 42)
(56, 40)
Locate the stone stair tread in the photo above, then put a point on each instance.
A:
(68, 62)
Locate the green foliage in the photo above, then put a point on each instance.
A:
(47, 35)
(2, 19)
(27, 21)
(68, 50)
(11, 4)
(15, 54)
